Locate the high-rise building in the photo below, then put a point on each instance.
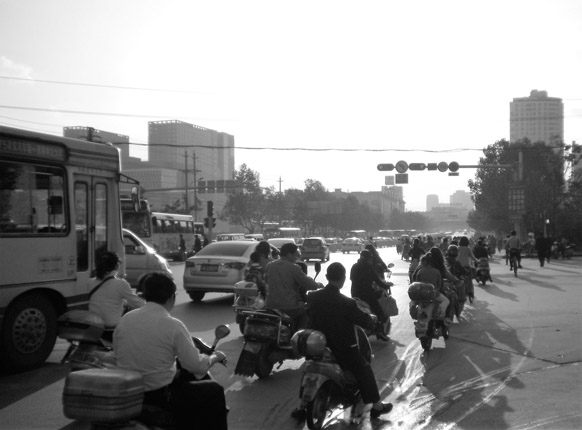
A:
(170, 141)
(537, 117)
(432, 201)
(461, 198)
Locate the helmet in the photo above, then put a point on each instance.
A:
(452, 251)
(309, 343)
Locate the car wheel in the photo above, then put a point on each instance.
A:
(196, 296)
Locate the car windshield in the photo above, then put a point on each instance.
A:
(225, 248)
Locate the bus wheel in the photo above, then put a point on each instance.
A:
(29, 332)
(197, 296)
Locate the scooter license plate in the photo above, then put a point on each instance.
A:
(310, 384)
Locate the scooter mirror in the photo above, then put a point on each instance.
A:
(390, 265)
(221, 331)
(317, 267)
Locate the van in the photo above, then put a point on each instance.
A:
(141, 259)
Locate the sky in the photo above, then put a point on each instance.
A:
(322, 90)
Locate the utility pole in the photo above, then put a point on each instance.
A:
(195, 187)
(186, 180)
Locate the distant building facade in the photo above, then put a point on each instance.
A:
(537, 118)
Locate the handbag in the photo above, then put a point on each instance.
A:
(388, 305)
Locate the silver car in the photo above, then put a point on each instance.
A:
(217, 267)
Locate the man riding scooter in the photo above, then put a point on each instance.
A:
(287, 286)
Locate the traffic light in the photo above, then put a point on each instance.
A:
(210, 208)
(213, 222)
(206, 222)
(417, 166)
(383, 167)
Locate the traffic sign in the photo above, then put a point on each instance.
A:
(401, 166)
(432, 166)
(453, 166)
(402, 178)
(389, 180)
(443, 166)
(383, 167)
(417, 166)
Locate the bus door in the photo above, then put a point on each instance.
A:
(91, 219)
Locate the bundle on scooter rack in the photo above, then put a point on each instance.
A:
(263, 327)
(421, 292)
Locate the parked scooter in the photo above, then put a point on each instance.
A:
(267, 334)
(426, 311)
(324, 384)
(83, 330)
(113, 398)
(483, 272)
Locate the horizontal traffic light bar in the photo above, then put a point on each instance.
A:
(443, 166)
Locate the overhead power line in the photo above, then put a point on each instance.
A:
(118, 87)
(80, 112)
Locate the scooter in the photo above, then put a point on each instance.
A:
(324, 384)
(83, 330)
(483, 272)
(267, 334)
(364, 306)
(426, 311)
(113, 398)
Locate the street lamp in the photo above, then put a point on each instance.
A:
(546, 223)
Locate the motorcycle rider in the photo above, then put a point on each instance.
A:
(514, 245)
(363, 277)
(428, 273)
(336, 315)
(149, 340)
(287, 285)
(480, 251)
(108, 294)
(415, 254)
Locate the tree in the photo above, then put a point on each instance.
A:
(249, 206)
(173, 208)
(542, 182)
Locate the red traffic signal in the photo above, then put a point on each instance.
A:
(383, 167)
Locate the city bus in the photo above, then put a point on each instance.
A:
(273, 230)
(59, 207)
(140, 221)
(360, 234)
(166, 231)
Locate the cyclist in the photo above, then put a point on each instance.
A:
(514, 245)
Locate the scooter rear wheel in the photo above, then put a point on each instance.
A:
(320, 407)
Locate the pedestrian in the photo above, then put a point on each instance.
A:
(197, 244)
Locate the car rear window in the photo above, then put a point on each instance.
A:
(311, 242)
(225, 248)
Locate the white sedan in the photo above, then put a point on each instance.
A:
(217, 267)
(352, 244)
